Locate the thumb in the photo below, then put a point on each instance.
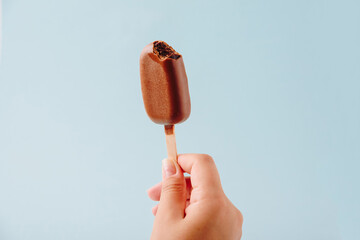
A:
(173, 191)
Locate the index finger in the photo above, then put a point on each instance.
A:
(203, 171)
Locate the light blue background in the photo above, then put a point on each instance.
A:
(275, 100)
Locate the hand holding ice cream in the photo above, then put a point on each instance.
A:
(193, 207)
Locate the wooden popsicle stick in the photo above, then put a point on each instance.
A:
(171, 142)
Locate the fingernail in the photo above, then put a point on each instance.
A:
(168, 167)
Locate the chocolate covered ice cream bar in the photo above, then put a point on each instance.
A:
(164, 87)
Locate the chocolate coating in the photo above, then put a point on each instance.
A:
(164, 84)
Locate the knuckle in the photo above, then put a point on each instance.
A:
(208, 157)
(173, 187)
(205, 158)
(240, 217)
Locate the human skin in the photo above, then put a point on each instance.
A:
(193, 207)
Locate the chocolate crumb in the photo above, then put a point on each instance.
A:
(163, 50)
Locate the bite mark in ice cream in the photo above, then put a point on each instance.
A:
(163, 50)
